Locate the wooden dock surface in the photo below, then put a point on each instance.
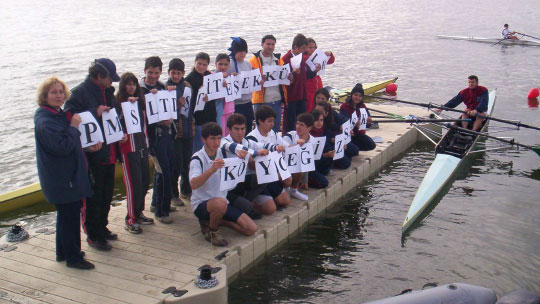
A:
(140, 267)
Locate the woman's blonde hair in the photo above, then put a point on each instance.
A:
(44, 88)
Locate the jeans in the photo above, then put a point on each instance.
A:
(276, 106)
(246, 109)
(292, 110)
(197, 139)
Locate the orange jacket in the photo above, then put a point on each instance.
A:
(258, 96)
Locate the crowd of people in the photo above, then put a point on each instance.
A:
(188, 152)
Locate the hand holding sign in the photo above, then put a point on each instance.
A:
(131, 117)
(185, 108)
(90, 130)
(265, 169)
(112, 126)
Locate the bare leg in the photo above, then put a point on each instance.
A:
(267, 208)
(296, 179)
(244, 225)
(464, 124)
(477, 123)
(217, 208)
(283, 199)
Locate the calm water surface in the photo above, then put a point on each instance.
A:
(485, 231)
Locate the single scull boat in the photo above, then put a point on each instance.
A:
(453, 147)
(493, 40)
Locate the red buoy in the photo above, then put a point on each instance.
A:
(391, 88)
(533, 93)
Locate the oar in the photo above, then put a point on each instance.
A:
(420, 120)
(511, 142)
(498, 42)
(430, 105)
(387, 113)
(528, 35)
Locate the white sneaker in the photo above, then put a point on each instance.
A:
(299, 195)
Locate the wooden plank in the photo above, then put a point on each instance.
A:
(26, 264)
(55, 288)
(43, 248)
(7, 296)
(121, 261)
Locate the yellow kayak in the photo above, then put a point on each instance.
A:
(32, 194)
(369, 88)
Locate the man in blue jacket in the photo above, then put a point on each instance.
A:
(96, 95)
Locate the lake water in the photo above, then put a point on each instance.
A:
(372, 40)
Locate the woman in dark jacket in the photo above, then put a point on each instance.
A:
(355, 104)
(62, 169)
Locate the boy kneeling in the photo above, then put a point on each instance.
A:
(209, 204)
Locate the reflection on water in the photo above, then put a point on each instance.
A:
(354, 254)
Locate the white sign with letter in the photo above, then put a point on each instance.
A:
(112, 126)
(363, 119)
(199, 99)
(292, 159)
(306, 158)
(185, 108)
(90, 130)
(165, 101)
(152, 108)
(230, 173)
(340, 146)
(265, 169)
(318, 57)
(131, 117)
(281, 165)
(214, 86)
(318, 146)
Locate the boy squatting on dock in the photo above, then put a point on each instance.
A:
(170, 142)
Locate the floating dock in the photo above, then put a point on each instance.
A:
(142, 268)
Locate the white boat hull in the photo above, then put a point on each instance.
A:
(437, 176)
(493, 40)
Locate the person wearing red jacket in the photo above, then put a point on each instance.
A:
(476, 100)
(296, 91)
(355, 103)
(134, 155)
(315, 83)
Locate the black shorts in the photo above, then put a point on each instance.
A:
(232, 214)
(273, 189)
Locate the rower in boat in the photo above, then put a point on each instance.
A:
(475, 98)
(507, 34)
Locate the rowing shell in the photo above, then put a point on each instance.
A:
(450, 153)
(493, 40)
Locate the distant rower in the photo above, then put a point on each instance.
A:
(507, 34)
(475, 98)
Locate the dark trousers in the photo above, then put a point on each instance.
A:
(183, 149)
(246, 109)
(96, 209)
(343, 163)
(363, 142)
(68, 231)
(165, 163)
(292, 110)
(351, 150)
(137, 180)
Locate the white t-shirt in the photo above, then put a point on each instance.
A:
(270, 141)
(271, 94)
(200, 162)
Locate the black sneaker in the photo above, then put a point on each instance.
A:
(101, 245)
(61, 258)
(81, 264)
(109, 236)
(143, 220)
(133, 228)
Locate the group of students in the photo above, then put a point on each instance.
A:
(189, 150)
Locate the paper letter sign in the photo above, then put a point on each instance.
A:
(340, 146)
(354, 119)
(265, 169)
(305, 158)
(185, 108)
(272, 75)
(292, 159)
(318, 57)
(318, 147)
(199, 102)
(281, 165)
(245, 82)
(229, 173)
(346, 126)
(131, 117)
(255, 80)
(165, 105)
(233, 89)
(112, 126)
(90, 130)
(151, 108)
(296, 61)
(284, 72)
(363, 119)
(214, 86)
